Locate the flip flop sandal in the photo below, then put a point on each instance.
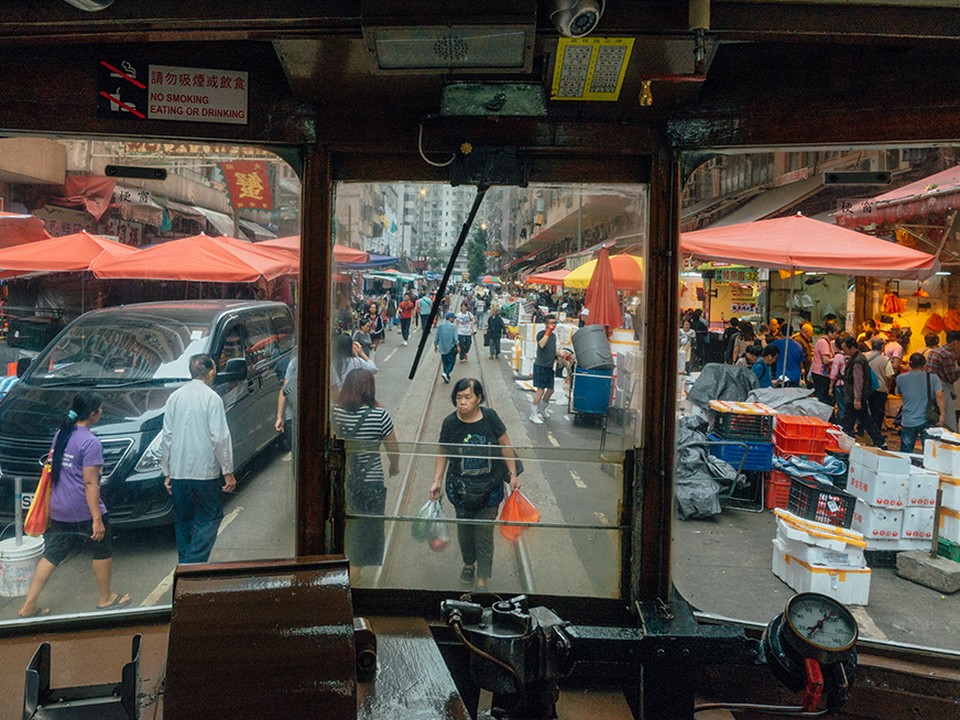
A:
(39, 612)
(121, 600)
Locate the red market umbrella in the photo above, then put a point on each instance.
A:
(341, 253)
(199, 258)
(602, 300)
(801, 243)
(16, 229)
(554, 277)
(67, 253)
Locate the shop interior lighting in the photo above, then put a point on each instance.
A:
(943, 272)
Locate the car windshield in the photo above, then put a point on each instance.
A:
(119, 349)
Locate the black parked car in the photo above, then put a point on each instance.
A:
(136, 356)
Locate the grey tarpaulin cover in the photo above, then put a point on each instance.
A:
(791, 401)
(722, 382)
(700, 476)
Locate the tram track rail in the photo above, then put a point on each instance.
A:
(406, 499)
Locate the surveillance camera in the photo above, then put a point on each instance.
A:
(575, 18)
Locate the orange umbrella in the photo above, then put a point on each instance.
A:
(341, 253)
(67, 253)
(16, 229)
(199, 258)
(602, 300)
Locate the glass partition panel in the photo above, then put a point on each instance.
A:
(524, 347)
(803, 269)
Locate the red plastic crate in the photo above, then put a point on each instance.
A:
(776, 491)
(800, 426)
(799, 445)
(814, 501)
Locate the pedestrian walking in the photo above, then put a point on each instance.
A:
(347, 355)
(917, 387)
(942, 362)
(857, 387)
(474, 483)
(762, 367)
(883, 371)
(287, 409)
(466, 328)
(479, 308)
(495, 330)
(358, 416)
(377, 328)
(405, 313)
(424, 307)
(196, 458)
(363, 336)
(822, 360)
(446, 343)
(688, 337)
(544, 376)
(78, 517)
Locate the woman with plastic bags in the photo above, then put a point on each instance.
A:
(478, 460)
(358, 416)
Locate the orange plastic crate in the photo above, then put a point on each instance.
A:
(800, 426)
(817, 457)
(800, 445)
(776, 491)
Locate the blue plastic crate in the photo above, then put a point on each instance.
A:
(759, 454)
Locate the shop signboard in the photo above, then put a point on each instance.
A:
(737, 275)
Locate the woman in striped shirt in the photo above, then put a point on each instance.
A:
(358, 416)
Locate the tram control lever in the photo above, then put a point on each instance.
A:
(520, 654)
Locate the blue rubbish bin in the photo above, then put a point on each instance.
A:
(592, 389)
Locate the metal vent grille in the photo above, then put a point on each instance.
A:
(451, 48)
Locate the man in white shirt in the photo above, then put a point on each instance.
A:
(195, 451)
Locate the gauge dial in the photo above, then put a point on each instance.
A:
(820, 627)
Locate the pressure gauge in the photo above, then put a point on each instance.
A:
(820, 628)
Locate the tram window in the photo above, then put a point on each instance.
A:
(732, 556)
(136, 357)
(514, 262)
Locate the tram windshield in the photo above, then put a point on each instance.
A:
(535, 348)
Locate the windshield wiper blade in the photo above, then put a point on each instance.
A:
(65, 382)
(142, 381)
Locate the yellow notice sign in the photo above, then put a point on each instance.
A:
(590, 68)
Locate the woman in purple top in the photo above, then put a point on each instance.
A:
(78, 518)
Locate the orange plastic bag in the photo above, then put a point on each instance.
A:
(38, 516)
(517, 508)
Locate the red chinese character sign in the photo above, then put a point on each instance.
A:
(249, 184)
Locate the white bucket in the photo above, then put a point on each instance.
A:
(17, 563)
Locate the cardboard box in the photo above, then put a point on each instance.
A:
(850, 586)
(879, 461)
(917, 524)
(942, 457)
(876, 522)
(880, 489)
(922, 487)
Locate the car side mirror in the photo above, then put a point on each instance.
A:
(22, 365)
(235, 370)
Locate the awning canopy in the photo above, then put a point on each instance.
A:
(627, 273)
(221, 222)
(257, 232)
(801, 243)
(200, 258)
(933, 195)
(67, 253)
(773, 201)
(554, 277)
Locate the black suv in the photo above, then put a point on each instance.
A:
(136, 356)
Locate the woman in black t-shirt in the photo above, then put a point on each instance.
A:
(478, 461)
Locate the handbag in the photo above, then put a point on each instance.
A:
(933, 409)
(38, 516)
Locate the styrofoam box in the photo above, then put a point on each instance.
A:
(942, 457)
(818, 543)
(879, 460)
(850, 586)
(950, 524)
(922, 487)
(951, 491)
(917, 524)
(899, 545)
(622, 334)
(878, 489)
(877, 522)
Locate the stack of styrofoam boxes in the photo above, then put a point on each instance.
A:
(816, 557)
(894, 509)
(525, 347)
(944, 459)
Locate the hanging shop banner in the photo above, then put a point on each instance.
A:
(737, 275)
(137, 90)
(248, 183)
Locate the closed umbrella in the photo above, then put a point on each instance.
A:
(602, 300)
